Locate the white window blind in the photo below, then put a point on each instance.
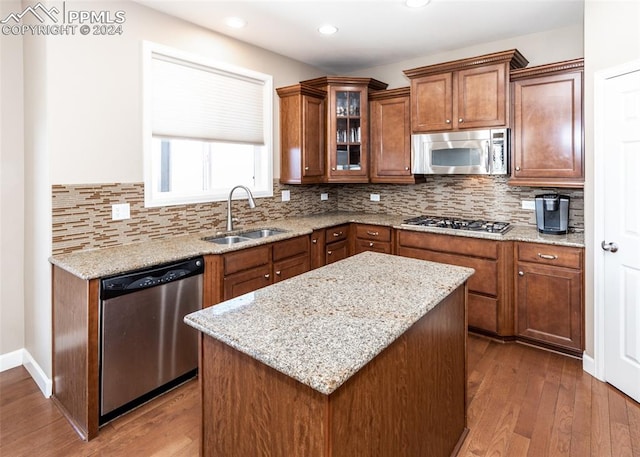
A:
(196, 101)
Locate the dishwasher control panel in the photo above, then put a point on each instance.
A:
(163, 274)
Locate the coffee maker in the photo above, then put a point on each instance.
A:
(552, 214)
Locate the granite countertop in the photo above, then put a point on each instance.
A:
(99, 263)
(321, 327)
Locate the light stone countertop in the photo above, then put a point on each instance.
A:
(321, 327)
(100, 263)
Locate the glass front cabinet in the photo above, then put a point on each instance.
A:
(347, 136)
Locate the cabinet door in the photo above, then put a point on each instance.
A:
(246, 281)
(481, 97)
(432, 103)
(288, 268)
(375, 246)
(549, 307)
(348, 134)
(547, 129)
(317, 248)
(337, 251)
(390, 139)
(313, 134)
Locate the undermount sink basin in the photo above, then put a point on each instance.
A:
(229, 239)
(263, 233)
(244, 236)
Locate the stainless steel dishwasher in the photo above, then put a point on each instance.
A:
(145, 347)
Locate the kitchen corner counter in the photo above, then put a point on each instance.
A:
(321, 327)
(98, 263)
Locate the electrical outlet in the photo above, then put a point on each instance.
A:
(324, 196)
(374, 197)
(528, 204)
(120, 211)
(286, 195)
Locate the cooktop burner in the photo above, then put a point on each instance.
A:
(460, 224)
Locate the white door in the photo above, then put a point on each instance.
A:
(621, 243)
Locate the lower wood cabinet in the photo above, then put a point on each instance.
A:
(375, 238)
(336, 243)
(490, 308)
(549, 295)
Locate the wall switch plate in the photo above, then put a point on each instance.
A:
(528, 204)
(120, 211)
(374, 197)
(324, 196)
(286, 195)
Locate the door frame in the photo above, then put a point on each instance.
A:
(597, 369)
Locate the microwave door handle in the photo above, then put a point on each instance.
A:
(488, 157)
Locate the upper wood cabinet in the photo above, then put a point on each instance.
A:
(547, 133)
(347, 136)
(302, 134)
(463, 94)
(390, 135)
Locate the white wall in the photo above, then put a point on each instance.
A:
(538, 48)
(11, 191)
(612, 37)
(96, 86)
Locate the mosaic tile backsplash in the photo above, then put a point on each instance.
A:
(82, 213)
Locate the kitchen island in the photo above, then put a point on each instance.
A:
(363, 357)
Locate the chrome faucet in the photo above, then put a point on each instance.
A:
(252, 204)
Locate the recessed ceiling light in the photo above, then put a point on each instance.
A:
(235, 22)
(328, 29)
(417, 3)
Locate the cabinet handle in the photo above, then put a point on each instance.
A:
(329, 252)
(333, 169)
(547, 256)
(267, 276)
(517, 168)
(337, 234)
(306, 168)
(372, 233)
(406, 168)
(448, 121)
(371, 244)
(278, 273)
(314, 241)
(460, 120)
(521, 273)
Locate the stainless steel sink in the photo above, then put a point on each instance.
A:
(244, 236)
(229, 239)
(262, 233)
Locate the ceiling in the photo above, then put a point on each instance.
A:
(373, 33)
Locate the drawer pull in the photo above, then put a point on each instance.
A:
(278, 273)
(267, 276)
(314, 241)
(336, 234)
(329, 252)
(521, 273)
(372, 233)
(371, 244)
(547, 256)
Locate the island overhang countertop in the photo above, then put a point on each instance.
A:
(321, 327)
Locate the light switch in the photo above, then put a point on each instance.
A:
(286, 195)
(324, 196)
(528, 204)
(374, 197)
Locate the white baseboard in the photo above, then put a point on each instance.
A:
(23, 357)
(589, 365)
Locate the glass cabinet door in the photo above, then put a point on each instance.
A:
(348, 148)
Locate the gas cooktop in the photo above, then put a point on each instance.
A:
(474, 225)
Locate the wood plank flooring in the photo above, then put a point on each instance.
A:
(523, 402)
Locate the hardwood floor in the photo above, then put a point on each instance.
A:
(523, 402)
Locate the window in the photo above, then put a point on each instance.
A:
(208, 127)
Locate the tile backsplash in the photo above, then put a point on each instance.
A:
(82, 213)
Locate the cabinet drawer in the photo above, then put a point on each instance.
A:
(561, 256)
(246, 281)
(449, 243)
(337, 251)
(373, 232)
(246, 258)
(341, 232)
(290, 248)
(376, 246)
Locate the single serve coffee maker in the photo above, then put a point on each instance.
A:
(552, 214)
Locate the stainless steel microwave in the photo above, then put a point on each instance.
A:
(471, 152)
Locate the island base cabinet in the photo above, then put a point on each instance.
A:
(408, 401)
